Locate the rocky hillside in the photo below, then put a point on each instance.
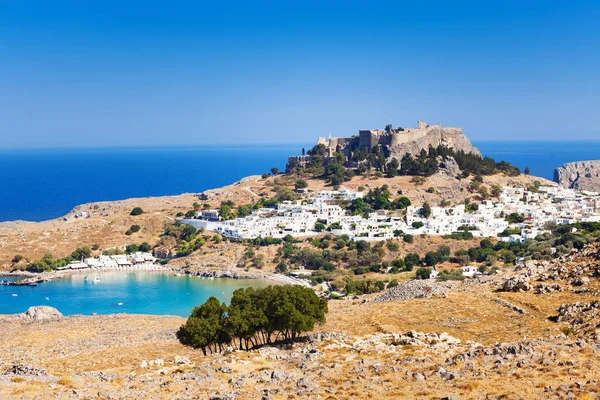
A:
(527, 333)
(582, 175)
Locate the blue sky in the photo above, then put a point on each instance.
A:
(77, 73)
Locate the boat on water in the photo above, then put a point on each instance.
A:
(14, 295)
(32, 284)
(120, 303)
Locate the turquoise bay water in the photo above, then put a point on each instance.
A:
(140, 293)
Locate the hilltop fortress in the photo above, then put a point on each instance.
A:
(396, 142)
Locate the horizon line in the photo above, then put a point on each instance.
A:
(254, 144)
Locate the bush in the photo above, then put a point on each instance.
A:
(301, 184)
(136, 211)
(17, 258)
(398, 264)
(423, 273)
(451, 275)
(281, 267)
(409, 238)
(392, 246)
(144, 247)
(417, 224)
(80, 253)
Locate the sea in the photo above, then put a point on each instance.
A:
(41, 184)
(118, 292)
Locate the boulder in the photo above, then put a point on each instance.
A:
(517, 284)
(41, 313)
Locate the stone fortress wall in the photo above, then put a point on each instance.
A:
(398, 142)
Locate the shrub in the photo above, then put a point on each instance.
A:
(301, 184)
(81, 253)
(409, 238)
(136, 211)
(417, 224)
(423, 273)
(144, 247)
(392, 246)
(17, 258)
(451, 275)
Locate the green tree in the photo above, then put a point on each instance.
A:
(433, 258)
(411, 260)
(144, 247)
(243, 211)
(423, 273)
(225, 212)
(425, 211)
(417, 224)
(526, 171)
(132, 248)
(274, 171)
(205, 328)
(81, 253)
(392, 167)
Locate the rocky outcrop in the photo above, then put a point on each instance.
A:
(435, 136)
(581, 175)
(415, 289)
(41, 313)
(518, 283)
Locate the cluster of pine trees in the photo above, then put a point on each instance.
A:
(254, 317)
(426, 163)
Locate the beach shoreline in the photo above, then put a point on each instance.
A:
(154, 268)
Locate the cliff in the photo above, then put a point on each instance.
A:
(582, 175)
(400, 141)
(434, 136)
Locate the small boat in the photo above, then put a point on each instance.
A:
(32, 284)
(94, 313)
(47, 298)
(120, 303)
(14, 295)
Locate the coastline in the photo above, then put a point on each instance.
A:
(155, 268)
